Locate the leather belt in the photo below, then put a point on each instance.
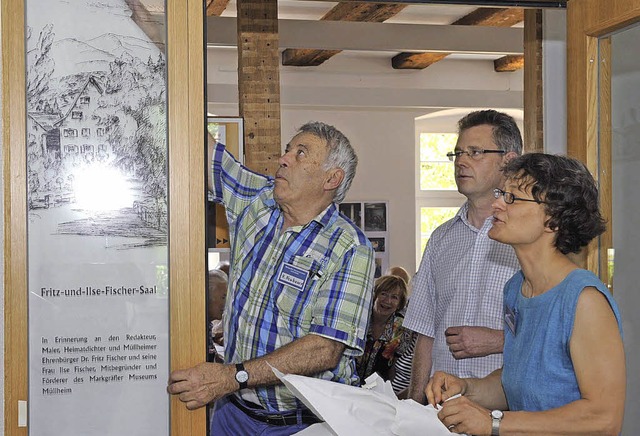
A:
(306, 417)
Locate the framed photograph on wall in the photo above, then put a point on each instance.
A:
(230, 132)
(353, 211)
(371, 217)
(378, 244)
(375, 217)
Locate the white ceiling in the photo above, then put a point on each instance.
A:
(434, 14)
(314, 10)
(412, 14)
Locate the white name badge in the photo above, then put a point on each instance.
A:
(293, 276)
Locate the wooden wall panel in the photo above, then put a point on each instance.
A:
(587, 20)
(15, 209)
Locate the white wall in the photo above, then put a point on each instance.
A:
(376, 107)
(384, 142)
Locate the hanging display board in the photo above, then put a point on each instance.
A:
(97, 219)
(371, 217)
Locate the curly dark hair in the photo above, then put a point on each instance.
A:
(568, 192)
(389, 283)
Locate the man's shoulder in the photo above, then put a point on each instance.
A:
(348, 231)
(444, 229)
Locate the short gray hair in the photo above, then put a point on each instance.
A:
(341, 154)
(506, 133)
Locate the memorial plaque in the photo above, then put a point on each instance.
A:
(97, 218)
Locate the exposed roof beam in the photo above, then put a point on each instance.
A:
(508, 63)
(152, 25)
(381, 98)
(363, 12)
(493, 3)
(340, 35)
(216, 7)
(496, 17)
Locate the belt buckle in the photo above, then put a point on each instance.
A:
(281, 420)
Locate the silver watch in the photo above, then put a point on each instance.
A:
(242, 376)
(496, 418)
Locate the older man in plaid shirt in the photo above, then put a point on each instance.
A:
(300, 286)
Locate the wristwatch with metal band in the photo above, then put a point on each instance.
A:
(496, 418)
(242, 376)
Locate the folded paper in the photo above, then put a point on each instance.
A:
(372, 410)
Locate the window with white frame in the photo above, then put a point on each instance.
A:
(437, 196)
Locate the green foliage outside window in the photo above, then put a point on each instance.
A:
(436, 171)
(430, 218)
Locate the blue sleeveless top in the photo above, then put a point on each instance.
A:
(538, 373)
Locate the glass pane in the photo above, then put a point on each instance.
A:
(437, 175)
(435, 146)
(625, 156)
(97, 218)
(436, 170)
(430, 219)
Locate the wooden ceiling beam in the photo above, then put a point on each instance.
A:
(367, 12)
(216, 7)
(497, 17)
(416, 61)
(370, 12)
(508, 63)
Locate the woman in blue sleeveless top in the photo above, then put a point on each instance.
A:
(564, 363)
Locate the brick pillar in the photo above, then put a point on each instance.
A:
(259, 83)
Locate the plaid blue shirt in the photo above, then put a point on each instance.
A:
(332, 297)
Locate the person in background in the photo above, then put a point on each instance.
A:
(216, 295)
(402, 377)
(564, 361)
(400, 272)
(386, 339)
(456, 303)
(223, 266)
(300, 287)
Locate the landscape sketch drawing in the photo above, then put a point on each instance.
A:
(96, 123)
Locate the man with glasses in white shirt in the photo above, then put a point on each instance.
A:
(456, 304)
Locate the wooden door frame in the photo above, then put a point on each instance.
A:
(187, 252)
(589, 99)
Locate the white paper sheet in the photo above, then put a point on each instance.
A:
(372, 410)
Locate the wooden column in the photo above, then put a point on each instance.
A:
(259, 83)
(16, 345)
(187, 256)
(533, 86)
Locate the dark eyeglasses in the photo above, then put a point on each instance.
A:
(509, 198)
(473, 153)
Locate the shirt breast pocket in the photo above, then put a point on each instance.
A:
(299, 277)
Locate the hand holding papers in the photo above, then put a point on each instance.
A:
(373, 409)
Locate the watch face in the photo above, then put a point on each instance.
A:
(497, 414)
(242, 376)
